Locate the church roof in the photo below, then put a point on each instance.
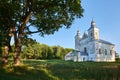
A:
(85, 35)
(105, 42)
(82, 53)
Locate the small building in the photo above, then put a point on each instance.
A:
(89, 47)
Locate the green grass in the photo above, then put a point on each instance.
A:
(61, 70)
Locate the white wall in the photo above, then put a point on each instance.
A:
(103, 56)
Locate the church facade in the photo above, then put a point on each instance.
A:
(89, 47)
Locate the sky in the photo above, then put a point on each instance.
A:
(105, 13)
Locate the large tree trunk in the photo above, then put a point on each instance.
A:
(5, 56)
(17, 52)
(18, 44)
(18, 40)
(6, 50)
(9, 32)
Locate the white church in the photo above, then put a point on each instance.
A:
(90, 47)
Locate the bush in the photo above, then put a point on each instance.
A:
(117, 59)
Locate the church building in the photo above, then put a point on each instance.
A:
(89, 47)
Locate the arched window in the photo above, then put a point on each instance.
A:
(105, 51)
(110, 52)
(99, 51)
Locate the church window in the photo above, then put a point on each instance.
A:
(110, 52)
(91, 34)
(99, 51)
(105, 51)
(85, 50)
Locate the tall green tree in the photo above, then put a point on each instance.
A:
(37, 50)
(6, 27)
(50, 53)
(28, 52)
(44, 52)
(45, 16)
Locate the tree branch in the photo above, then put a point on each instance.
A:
(32, 32)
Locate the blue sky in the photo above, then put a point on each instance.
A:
(106, 14)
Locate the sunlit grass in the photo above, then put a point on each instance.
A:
(61, 70)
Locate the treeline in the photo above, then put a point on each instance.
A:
(35, 50)
(43, 51)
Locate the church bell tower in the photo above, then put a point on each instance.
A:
(77, 46)
(93, 31)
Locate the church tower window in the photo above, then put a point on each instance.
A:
(91, 34)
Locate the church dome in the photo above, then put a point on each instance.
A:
(78, 36)
(93, 24)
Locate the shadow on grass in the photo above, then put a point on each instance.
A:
(25, 73)
(61, 70)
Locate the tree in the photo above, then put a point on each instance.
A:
(6, 27)
(58, 51)
(50, 53)
(44, 52)
(37, 50)
(29, 52)
(45, 16)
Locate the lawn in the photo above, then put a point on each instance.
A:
(61, 70)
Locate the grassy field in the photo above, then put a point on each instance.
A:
(61, 70)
